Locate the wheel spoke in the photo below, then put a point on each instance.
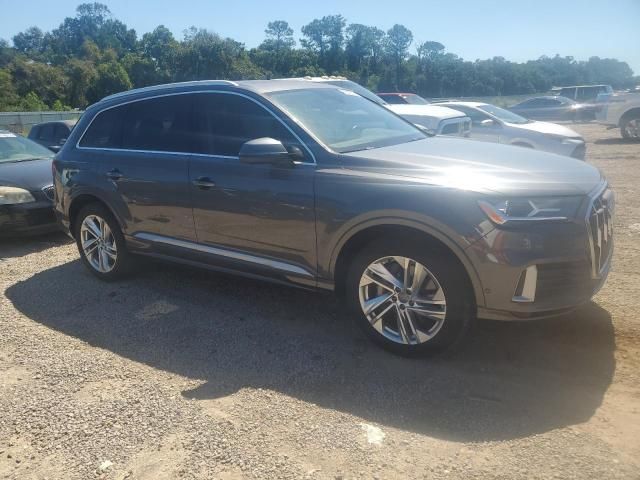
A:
(373, 303)
(92, 228)
(110, 252)
(373, 319)
(419, 274)
(406, 327)
(90, 245)
(379, 274)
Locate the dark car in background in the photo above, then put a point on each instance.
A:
(394, 98)
(26, 190)
(307, 184)
(52, 134)
(554, 108)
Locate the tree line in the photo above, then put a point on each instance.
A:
(92, 54)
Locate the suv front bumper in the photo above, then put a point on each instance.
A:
(542, 270)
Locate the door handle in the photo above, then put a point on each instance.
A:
(114, 175)
(204, 183)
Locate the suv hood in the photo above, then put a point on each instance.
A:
(547, 128)
(478, 166)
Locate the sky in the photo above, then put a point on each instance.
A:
(518, 30)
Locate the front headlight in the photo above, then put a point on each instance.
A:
(13, 195)
(531, 209)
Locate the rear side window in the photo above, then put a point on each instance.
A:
(46, 132)
(223, 122)
(159, 124)
(105, 129)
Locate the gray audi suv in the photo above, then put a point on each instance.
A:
(313, 185)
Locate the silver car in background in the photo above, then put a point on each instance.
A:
(490, 123)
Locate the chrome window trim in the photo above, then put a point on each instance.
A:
(111, 149)
(222, 252)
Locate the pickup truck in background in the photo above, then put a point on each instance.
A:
(620, 110)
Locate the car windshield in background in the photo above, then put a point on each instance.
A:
(343, 120)
(504, 115)
(14, 148)
(415, 100)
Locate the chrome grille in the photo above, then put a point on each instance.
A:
(600, 226)
(49, 192)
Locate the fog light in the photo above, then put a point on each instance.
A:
(526, 287)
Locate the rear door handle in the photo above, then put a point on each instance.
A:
(204, 183)
(114, 175)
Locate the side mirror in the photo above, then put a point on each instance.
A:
(487, 123)
(267, 150)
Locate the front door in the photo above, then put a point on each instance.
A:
(261, 216)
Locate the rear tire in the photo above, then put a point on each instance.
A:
(417, 298)
(630, 127)
(100, 243)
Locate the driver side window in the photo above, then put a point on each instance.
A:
(223, 122)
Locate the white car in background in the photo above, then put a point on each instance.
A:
(490, 123)
(436, 120)
(620, 110)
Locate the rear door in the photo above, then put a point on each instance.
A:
(264, 212)
(142, 150)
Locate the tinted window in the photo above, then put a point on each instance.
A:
(46, 132)
(475, 116)
(225, 121)
(394, 99)
(105, 130)
(161, 124)
(61, 131)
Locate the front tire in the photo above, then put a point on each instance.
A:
(409, 297)
(100, 243)
(630, 128)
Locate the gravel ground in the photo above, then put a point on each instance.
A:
(178, 373)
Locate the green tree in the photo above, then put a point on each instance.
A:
(325, 37)
(111, 77)
(397, 44)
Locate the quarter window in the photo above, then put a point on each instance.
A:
(105, 129)
(223, 122)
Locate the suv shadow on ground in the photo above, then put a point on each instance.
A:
(510, 380)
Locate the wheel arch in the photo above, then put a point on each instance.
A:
(629, 114)
(81, 200)
(356, 238)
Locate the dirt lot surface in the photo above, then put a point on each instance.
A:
(177, 373)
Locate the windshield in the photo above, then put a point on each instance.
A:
(415, 100)
(14, 148)
(359, 89)
(343, 120)
(502, 114)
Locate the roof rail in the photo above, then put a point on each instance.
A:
(170, 85)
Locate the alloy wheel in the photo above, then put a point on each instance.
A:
(402, 300)
(98, 243)
(632, 128)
